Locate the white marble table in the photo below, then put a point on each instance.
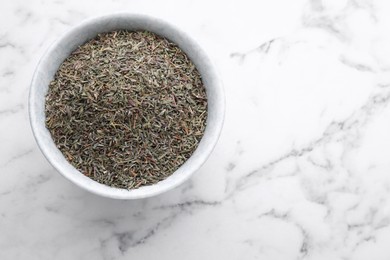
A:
(302, 169)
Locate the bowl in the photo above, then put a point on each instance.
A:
(87, 30)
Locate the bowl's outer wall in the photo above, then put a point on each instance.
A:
(62, 48)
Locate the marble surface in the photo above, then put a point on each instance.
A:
(302, 169)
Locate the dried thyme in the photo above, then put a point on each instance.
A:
(127, 108)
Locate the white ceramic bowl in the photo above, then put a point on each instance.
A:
(78, 35)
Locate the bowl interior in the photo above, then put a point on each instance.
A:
(61, 49)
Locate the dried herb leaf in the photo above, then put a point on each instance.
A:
(127, 108)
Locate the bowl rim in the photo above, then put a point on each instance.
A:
(187, 169)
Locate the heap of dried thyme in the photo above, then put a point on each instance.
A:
(127, 108)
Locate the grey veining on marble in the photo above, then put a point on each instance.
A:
(302, 169)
